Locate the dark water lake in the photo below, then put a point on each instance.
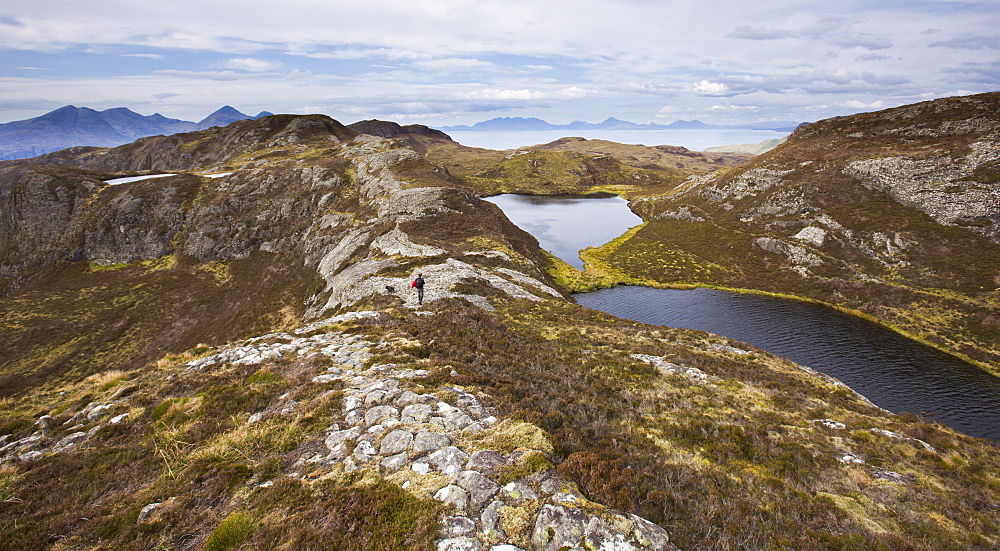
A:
(896, 373)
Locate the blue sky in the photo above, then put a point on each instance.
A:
(440, 62)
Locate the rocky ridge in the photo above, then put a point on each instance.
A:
(436, 445)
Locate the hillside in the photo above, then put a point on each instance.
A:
(197, 362)
(892, 214)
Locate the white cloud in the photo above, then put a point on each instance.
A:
(251, 64)
(760, 33)
(454, 65)
(709, 88)
(854, 104)
(148, 56)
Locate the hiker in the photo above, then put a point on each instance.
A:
(418, 284)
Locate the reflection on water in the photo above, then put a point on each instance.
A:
(564, 225)
(892, 371)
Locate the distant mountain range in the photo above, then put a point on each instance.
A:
(73, 126)
(515, 124)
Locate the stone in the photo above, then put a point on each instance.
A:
(448, 460)
(558, 527)
(427, 442)
(463, 543)
(407, 398)
(97, 412)
(601, 535)
(456, 420)
(395, 462)
(45, 424)
(352, 403)
(517, 492)
(490, 521)
(69, 441)
(486, 462)
(335, 439)
(378, 414)
(649, 535)
(364, 451)
(505, 547)
(456, 526)
(453, 495)
(397, 441)
(416, 413)
(147, 512)
(355, 417)
(376, 397)
(480, 488)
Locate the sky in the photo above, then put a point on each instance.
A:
(439, 62)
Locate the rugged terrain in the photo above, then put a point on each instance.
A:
(893, 214)
(230, 357)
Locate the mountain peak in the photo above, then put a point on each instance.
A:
(222, 117)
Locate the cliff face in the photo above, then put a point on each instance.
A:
(232, 356)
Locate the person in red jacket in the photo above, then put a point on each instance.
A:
(418, 284)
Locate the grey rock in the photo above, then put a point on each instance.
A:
(457, 526)
(378, 414)
(558, 527)
(355, 417)
(486, 462)
(407, 398)
(649, 535)
(147, 512)
(397, 441)
(463, 543)
(336, 438)
(376, 397)
(516, 492)
(490, 521)
(416, 413)
(600, 535)
(427, 442)
(448, 460)
(395, 462)
(480, 488)
(69, 441)
(364, 451)
(352, 403)
(453, 495)
(45, 423)
(456, 420)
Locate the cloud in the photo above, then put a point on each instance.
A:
(981, 42)
(149, 56)
(251, 64)
(525, 94)
(454, 65)
(200, 75)
(854, 104)
(760, 33)
(861, 40)
(709, 88)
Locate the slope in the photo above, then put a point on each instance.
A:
(891, 214)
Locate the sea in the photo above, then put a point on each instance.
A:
(694, 140)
